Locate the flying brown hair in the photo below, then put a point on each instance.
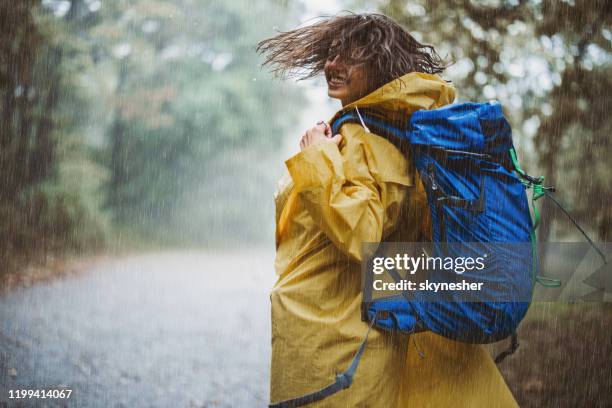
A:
(386, 49)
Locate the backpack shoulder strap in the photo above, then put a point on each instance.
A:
(374, 121)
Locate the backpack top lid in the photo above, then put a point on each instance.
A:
(470, 126)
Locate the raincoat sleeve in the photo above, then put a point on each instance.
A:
(353, 192)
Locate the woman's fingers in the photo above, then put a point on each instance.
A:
(322, 132)
(321, 127)
(328, 130)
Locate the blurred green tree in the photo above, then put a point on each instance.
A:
(191, 115)
(39, 102)
(151, 114)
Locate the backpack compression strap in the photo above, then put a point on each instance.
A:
(343, 381)
(539, 190)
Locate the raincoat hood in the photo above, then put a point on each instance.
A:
(405, 95)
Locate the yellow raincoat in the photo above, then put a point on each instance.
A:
(338, 197)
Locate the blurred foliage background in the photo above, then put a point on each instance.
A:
(149, 122)
(136, 122)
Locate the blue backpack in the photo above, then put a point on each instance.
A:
(477, 198)
(465, 157)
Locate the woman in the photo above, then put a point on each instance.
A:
(357, 187)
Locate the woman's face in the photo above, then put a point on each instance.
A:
(345, 82)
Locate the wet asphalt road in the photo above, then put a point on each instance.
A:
(180, 329)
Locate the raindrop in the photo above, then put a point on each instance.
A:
(171, 52)
(482, 61)
(150, 26)
(60, 8)
(122, 50)
(221, 61)
(415, 9)
(546, 42)
(516, 69)
(95, 6)
(531, 125)
(480, 78)
(489, 92)
(516, 101)
(517, 27)
(546, 109)
(462, 67)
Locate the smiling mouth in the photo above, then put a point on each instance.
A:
(336, 80)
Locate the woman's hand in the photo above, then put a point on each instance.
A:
(321, 133)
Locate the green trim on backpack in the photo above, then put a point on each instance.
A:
(539, 190)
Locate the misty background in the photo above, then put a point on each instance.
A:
(146, 133)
